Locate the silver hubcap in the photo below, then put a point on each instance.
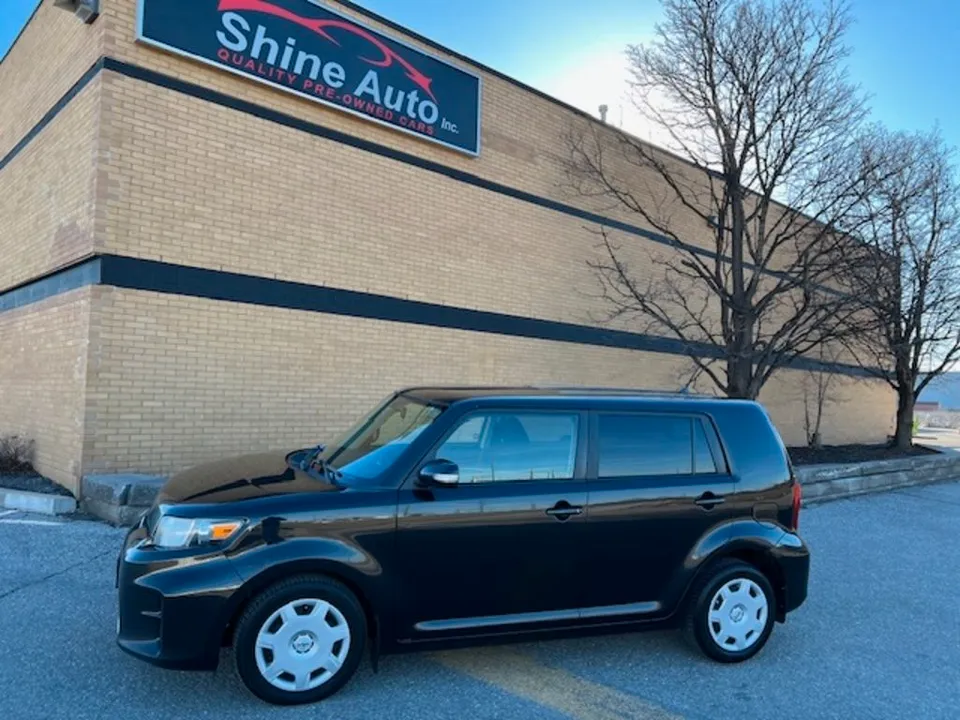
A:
(302, 645)
(738, 614)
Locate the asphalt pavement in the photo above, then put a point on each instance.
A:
(879, 637)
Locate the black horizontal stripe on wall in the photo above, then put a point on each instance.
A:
(138, 274)
(162, 277)
(168, 278)
(275, 116)
(199, 92)
(58, 106)
(172, 279)
(77, 275)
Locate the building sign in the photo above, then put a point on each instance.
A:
(312, 51)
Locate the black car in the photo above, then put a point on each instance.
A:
(448, 517)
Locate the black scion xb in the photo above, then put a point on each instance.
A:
(456, 516)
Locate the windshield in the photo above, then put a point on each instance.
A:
(376, 441)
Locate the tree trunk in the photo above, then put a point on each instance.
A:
(739, 377)
(903, 438)
(740, 346)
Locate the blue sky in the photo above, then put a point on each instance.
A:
(906, 55)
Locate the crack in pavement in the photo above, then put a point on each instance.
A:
(42, 580)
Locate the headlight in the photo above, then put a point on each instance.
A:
(176, 532)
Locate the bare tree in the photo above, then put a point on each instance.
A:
(911, 289)
(815, 389)
(755, 100)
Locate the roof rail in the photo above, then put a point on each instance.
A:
(619, 390)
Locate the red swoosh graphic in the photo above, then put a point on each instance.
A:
(320, 26)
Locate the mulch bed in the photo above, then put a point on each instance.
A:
(30, 481)
(852, 454)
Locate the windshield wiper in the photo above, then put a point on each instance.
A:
(312, 460)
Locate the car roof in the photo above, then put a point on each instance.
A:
(450, 395)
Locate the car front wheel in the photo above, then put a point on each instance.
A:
(300, 640)
(731, 614)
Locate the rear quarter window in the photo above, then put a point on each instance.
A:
(753, 445)
(703, 459)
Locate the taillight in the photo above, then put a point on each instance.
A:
(797, 499)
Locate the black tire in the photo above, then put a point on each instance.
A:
(260, 609)
(698, 626)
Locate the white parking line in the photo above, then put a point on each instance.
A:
(29, 522)
(7, 512)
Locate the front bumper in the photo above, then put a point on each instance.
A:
(793, 556)
(172, 606)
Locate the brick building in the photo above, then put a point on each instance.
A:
(198, 262)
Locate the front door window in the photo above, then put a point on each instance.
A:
(513, 446)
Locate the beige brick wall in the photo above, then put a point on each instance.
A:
(46, 222)
(160, 382)
(47, 194)
(43, 372)
(247, 195)
(54, 50)
(194, 183)
(523, 135)
(857, 410)
(175, 381)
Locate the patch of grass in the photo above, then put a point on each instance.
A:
(16, 454)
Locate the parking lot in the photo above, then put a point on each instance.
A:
(878, 638)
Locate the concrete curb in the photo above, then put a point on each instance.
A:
(34, 502)
(119, 499)
(823, 483)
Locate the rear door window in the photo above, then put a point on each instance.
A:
(647, 445)
(631, 445)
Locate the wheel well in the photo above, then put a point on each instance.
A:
(260, 583)
(763, 562)
(756, 557)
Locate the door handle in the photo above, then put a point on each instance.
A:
(708, 501)
(564, 510)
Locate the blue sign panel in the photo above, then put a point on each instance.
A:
(305, 48)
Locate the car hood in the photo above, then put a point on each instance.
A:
(240, 478)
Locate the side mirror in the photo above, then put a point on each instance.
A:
(440, 472)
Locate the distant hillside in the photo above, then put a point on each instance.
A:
(945, 390)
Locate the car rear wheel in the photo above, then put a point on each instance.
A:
(300, 640)
(731, 614)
